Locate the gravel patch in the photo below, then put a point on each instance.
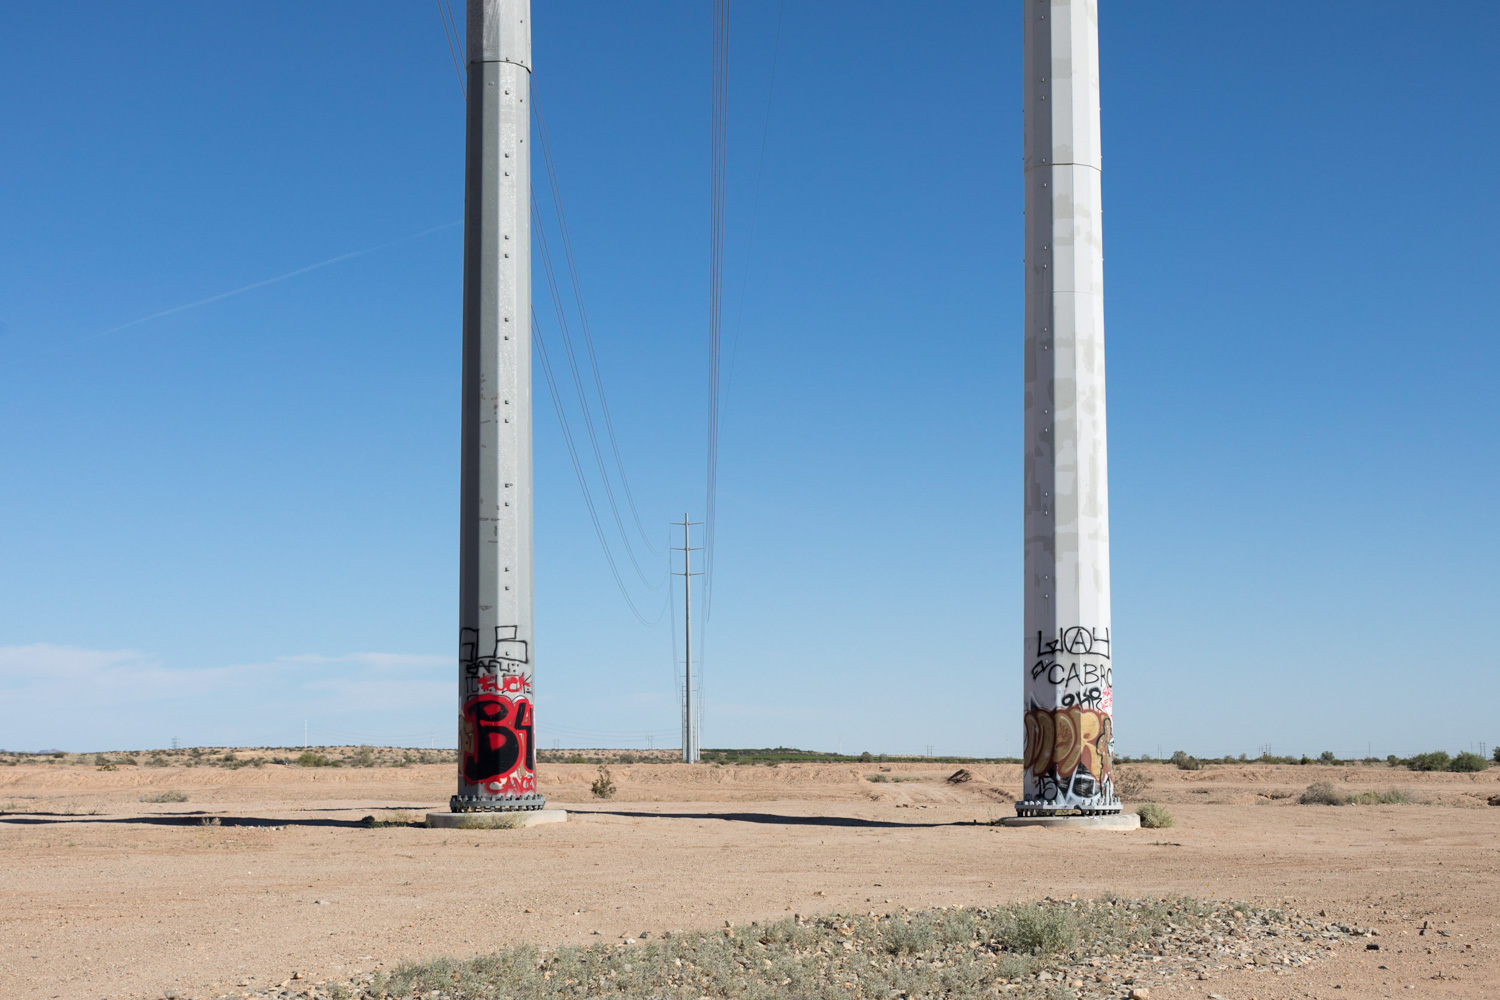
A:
(1056, 949)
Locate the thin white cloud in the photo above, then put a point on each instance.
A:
(52, 695)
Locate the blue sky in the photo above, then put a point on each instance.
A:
(229, 519)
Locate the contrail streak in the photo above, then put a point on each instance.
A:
(247, 288)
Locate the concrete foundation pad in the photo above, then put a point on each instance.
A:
(1118, 821)
(495, 820)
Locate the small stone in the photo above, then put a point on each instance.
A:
(1372, 946)
(1140, 994)
(296, 975)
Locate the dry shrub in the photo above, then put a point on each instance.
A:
(1130, 782)
(1154, 816)
(172, 795)
(956, 952)
(1322, 794)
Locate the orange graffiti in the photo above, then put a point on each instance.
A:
(1067, 738)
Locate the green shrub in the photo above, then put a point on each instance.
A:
(309, 759)
(1327, 757)
(1438, 760)
(1467, 761)
(1154, 816)
(604, 785)
(363, 757)
(1041, 930)
(1185, 762)
(1322, 794)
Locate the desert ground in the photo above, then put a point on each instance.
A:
(267, 875)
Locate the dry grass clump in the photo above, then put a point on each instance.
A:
(1130, 782)
(395, 817)
(955, 952)
(1389, 797)
(171, 795)
(1324, 793)
(1154, 816)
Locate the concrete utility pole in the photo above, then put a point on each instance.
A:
(689, 719)
(496, 736)
(1069, 703)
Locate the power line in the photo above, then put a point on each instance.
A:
(583, 402)
(588, 499)
(765, 132)
(583, 315)
(718, 145)
(454, 48)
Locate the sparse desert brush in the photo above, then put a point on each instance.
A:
(309, 759)
(363, 757)
(396, 817)
(171, 795)
(877, 778)
(958, 952)
(1185, 761)
(1040, 930)
(604, 785)
(1322, 793)
(1154, 816)
(1130, 782)
(1389, 797)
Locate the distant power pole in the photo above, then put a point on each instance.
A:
(496, 652)
(689, 718)
(1069, 679)
(304, 734)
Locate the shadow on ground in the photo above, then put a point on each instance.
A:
(777, 818)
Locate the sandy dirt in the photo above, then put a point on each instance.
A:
(103, 895)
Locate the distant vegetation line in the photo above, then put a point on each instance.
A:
(373, 756)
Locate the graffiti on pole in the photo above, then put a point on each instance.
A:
(1069, 721)
(497, 746)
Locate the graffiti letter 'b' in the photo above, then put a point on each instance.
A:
(495, 728)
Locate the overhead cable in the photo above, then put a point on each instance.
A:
(583, 314)
(583, 401)
(765, 132)
(455, 45)
(588, 499)
(718, 139)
